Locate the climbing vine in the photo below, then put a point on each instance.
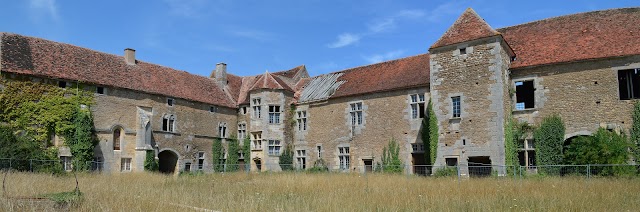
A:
(510, 143)
(391, 162)
(150, 162)
(217, 153)
(635, 130)
(232, 154)
(246, 149)
(549, 137)
(431, 136)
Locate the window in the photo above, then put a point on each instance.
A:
(243, 110)
(125, 164)
(257, 141)
(257, 109)
(62, 84)
(356, 113)
(463, 50)
(200, 160)
(343, 156)
(170, 101)
(629, 83)
(274, 114)
(168, 123)
(417, 148)
(301, 159)
(456, 106)
(525, 95)
(319, 148)
(116, 138)
(222, 130)
(451, 161)
(213, 109)
(417, 106)
(66, 163)
(99, 90)
(242, 131)
(274, 147)
(187, 167)
(302, 120)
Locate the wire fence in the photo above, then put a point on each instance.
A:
(460, 171)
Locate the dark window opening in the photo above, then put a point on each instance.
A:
(165, 123)
(62, 84)
(525, 98)
(213, 109)
(170, 102)
(421, 110)
(463, 51)
(629, 84)
(100, 90)
(244, 110)
(116, 139)
(451, 161)
(187, 167)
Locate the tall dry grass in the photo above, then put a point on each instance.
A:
(330, 192)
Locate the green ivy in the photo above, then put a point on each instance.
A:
(246, 149)
(430, 138)
(82, 139)
(510, 143)
(549, 137)
(150, 162)
(635, 130)
(232, 154)
(286, 159)
(217, 152)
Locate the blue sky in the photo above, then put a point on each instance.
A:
(255, 36)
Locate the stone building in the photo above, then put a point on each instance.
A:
(584, 67)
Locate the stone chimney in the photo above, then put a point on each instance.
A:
(130, 56)
(221, 74)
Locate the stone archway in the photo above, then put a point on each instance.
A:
(167, 160)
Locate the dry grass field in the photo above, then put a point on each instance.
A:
(322, 192)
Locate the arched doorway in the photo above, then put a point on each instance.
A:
(167, 160)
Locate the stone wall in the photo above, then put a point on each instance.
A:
(386, 116)
(479, 78)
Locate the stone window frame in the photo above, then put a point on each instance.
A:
(169, 123)
(301, 158)
(256, 105)
(629, 82)
(344, 157)
(356, 113)
(514, 98)
(417, 148)
(301, 118)
(242, 130)
(277, 147)
(275, 112)
(201, 160)
(101, 90)
(256, 141)
(125, 164)
(118, 137)
(67, 164)
(319, 150)
(222, 130)
(188, 166)
(415, 101)
(456, 109)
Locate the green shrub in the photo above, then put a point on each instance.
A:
(150, 162)
(635, 130)
(430, 134)
(82, 139)
(604, 147)
(549, 137)
(286, 159)
(232, 154)
(445, 171)
(217, 155)
(391, 162)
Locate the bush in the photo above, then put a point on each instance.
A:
(232, 154)
(319, 166)
(150, 162)
(391, 162)
(604, 147)
(286, 159)
(217, 153)
(549, 137)
(445, 171)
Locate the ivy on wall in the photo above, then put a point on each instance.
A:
(232, 154)
(217, 154)
(150, 162)
(635, 130)
(36, 111)
(549, 137)
(429, 133)
(511, 140)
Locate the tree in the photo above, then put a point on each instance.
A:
(549, 137)
(286, 159)
(391, 158)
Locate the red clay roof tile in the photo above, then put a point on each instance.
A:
(469, 26)
(39, 57)
(583, 36)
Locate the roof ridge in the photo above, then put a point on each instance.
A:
(380, 63)
(458, 32)
(567, 15)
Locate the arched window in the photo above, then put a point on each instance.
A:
(168, 123)
(116, 138)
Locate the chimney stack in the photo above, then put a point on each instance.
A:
(130, 56)
(221, 73)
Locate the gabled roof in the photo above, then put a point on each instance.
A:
(391, 75)
(292, 73)
(44, 58)
(582, 36)
(269, 81)
(469, 26)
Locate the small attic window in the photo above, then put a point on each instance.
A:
(170, 101)
(99, 90)
(213, 109)
(463, 50)
(62, 84)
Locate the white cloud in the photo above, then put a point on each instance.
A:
(344, 39)
(40, 8)
(376, 58)
(382, 25)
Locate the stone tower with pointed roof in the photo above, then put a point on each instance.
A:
(469, 90)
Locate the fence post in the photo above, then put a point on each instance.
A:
(588, 171)
(458, 169)
(31, 165)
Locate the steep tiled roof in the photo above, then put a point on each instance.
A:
(292, 72)
(469, 26)
(390, 75)
(583, 36)
(247, 83)
(269, 81)
(39, 57)
(234, 85)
